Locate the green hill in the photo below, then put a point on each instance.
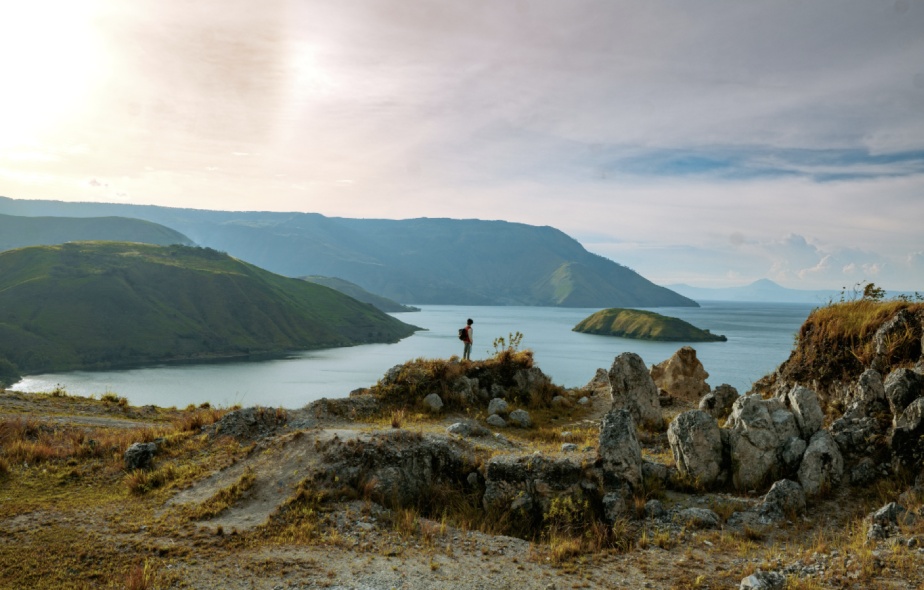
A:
(643, 325)
(108, 304)
(18, 231)
(419, 261)
(360, 294)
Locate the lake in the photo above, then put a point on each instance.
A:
(760, 337)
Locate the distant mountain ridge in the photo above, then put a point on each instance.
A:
(360, 294)
(762, 290)
(424, 261)
(19, 231)
(109, 304)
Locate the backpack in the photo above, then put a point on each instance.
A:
(463, 334)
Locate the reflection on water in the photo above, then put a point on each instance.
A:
(760, 337)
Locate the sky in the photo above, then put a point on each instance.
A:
(707, 142)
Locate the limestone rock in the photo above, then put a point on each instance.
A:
(619, 451)
(699, 518)
(259, 422)
(822, 465)
(763, 581)
(697, 446)
(786, 496)
(521, 418)
(139, 456)
(531, 483)
(496, 421)
(890, 332)
(599, 385)
(791, 454)
(805, 407)
(753, 441)
(497, 406)
(682, 376)
(719, 401)
(634, 389)
(468, 428)
(902, 387)
(866, 396)
(433, 402)
(908, 437)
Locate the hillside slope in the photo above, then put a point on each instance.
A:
(431, 261)
(107, 304)
(360, 294)
(18, 231)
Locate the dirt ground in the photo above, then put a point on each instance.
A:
(360, 547)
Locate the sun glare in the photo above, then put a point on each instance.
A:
(50, 59)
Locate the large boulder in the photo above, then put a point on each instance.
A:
(784, 498)
(696, 444)
(908, 437)
(805, 407)
(531, 483)
(139, 456)
(719, 401)
(902, 387)
(753, 440)
(619, 452)
(682, 375)
(634, 390)
(822, 464)
(867, 396)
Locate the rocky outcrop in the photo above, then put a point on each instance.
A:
(634, 390)
(822, 465)
(753, 440)
(682, 376)
(696, 444)
(619, 452)
(902, 387)
(253, 423)
(139, 456)
(807, 411)
(908, 438)
(718, 403)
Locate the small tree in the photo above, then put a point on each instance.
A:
(873, 293)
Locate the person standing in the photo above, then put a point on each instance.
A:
(469, 338)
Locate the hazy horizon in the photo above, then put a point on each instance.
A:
(706, 142)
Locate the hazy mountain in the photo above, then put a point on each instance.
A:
(433, 261)
(760, 290)
(360, 294)
(107, 304)
(19, 231)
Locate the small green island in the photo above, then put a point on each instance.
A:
(643, 325)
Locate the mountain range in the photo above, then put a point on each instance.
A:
(426, 261)
(762, 290)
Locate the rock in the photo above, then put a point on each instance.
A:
(866, 396)
(805, 407)
(791, 454)
(391, 375)
(568, 447)
(521, 418)
(763, 581)
(891, 514)
(532, 483)
(530, 380)
(856, 437)
(656, 473)
(654, 509)
(619, 451)
(615, 505)
(433, 402)
(634, 390)
(718, 403)
(864, 472)
(697, 446)
(599, 385)
(785, 495)
(682, 376)
(496, 421)
(699, 518)
(468, 428)
(753, 441)
(584, 400)
(258, 422)
(784, 424)
(139, 456)
(822, 464)
(908, 437)
(498, 406)
(902, 387)
(560, 401)
(903, 322)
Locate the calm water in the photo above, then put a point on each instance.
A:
(760, 337)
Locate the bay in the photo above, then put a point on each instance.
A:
(760, 337)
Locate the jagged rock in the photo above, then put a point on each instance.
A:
(753, 441)
(892, 514)
(619, 451)
(856, 437)
(391, 375)
(531, 483)
(396, 467)
(822, 464)
(805, 407)
(718, 403)
(496, 421)
(599, 385)
(864, 472)
(697, 446)
(531, 379)
(891, 331)
(656, 473)
(468, 428)
(568, 447)
(466, 389)
(615, 504)
(433, 402)
(784, 424)
(786, 497)
(497, 406)
(699, 518)
(250, 423)
(791, 453)
(908, 437)
(634, 390)
(763, 581)
(866, 396)
(521, 418)
(139, 456)
(902, 387)
(682, 376)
